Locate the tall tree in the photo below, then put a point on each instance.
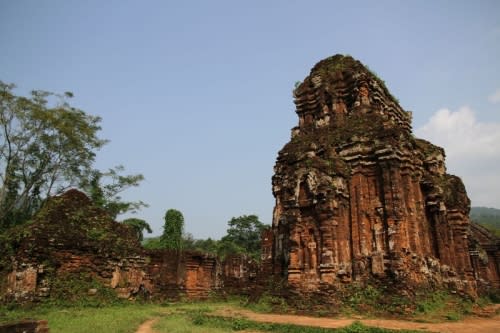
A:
(173, 230)
(44, 149)
(139, 226)
(48, 146)
(243, 236)
(202, 245)
(104, 188)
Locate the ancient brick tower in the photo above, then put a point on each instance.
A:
(359, 197)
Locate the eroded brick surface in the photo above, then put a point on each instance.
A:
(359, 197)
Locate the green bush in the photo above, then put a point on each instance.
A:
(435, 302)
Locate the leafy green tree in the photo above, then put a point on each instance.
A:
(152, 243)
(208, 245)
(138, 225)
(243, 236)
(173, 230)
(188, 241)
(46, 147)
(104, 188)
(226, 247)
(201, 245)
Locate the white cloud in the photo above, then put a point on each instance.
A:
(495, 97)
(472, 151)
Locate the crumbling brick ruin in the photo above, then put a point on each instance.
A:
(359, 197)
(71, 239)
(239, 274)
(484, 249)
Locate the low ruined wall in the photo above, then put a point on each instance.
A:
(26, 326)
(485, 257)
(192, 274)
(239, 274)
(30, 280)
(153, 274)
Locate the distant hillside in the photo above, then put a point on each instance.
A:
(488, 217)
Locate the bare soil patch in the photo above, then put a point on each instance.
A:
(471, 324)
(147, 326)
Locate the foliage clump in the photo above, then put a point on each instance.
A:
(243, 237)
(487, 217)
(335, 64)
(45, 148)
(138, 225)
(173, 229)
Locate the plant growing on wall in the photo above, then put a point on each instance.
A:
(172, 230)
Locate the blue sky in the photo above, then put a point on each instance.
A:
(197, 95)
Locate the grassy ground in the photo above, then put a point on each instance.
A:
(441, 306)
(186, 317)
(114, 318)
(173, 318)
(368, 302)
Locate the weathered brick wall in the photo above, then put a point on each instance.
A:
(156, 274)
(485, 256)
(188, 273)
(201, 275)
(239, 274)
(359, 197)
(266, 265)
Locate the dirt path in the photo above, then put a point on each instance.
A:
(147, 326)
(476, 325)
(471, 324)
